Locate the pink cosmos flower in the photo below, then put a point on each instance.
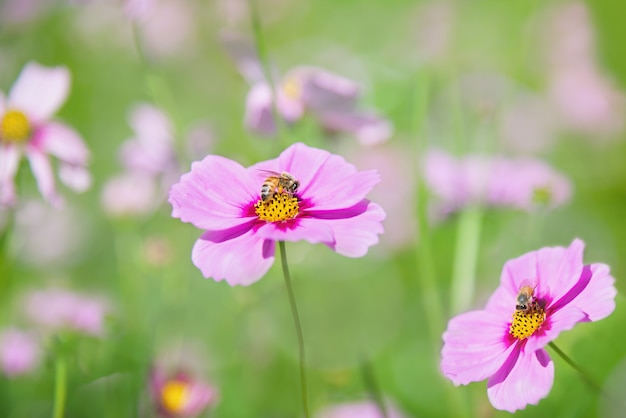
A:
(180, 395)
(363, 409)
(223, 198)
(522, 183)
(59, 308)
(26, 128)
(19, 352)
(505, 342)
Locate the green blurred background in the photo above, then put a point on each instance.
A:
(370, 312)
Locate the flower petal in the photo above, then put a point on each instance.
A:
(258, 117)
(9, 162)
(597, 298)
(214, 194)
(475, 347)
(308, 229)
(240, 261)
(39, 91)
(355, 234)
(529, 381)
(63, 142)
(42, 170)
(75, 177)
(558, 321)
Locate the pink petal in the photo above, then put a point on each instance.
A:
(557, 322)
(201, 395)
(76, 178)
(529, 381)
(240, 261)
(63, 142)
(39, 91)
(150, 124)
(554, 271)
(475, 347)
(214, 195)
(308, 229)
(354, 235)
(42, 170)
(9, 161)
(19, 352)
(597, 299)
(259, 116)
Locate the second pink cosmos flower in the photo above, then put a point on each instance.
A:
(223, 198)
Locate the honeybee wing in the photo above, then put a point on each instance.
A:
(270, 173)
(528, 283)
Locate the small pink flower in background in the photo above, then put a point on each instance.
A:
(223, 198)
(56, 309)
(362, 409)
(504, 342)
(584, 98)
(521, 183)
(26, 128)
(180, 395)
(150, 165)
(19, 352)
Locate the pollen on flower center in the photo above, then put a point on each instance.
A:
(14, 127)
(291, 88)
(175, 395)
(525, 323)
(280, 207)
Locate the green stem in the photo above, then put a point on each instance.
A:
(296, 320)
(372, 386)
(465, 259)
(60, 387)
(574, 366)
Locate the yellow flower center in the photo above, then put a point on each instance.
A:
(175, 395)
(542, 195)
(280, 207)
(292, 89)
(525, 323)
(14, 127)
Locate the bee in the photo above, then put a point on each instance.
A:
(278, 183)
(525, 300)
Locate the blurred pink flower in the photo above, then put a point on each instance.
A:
(488, 344)
(59, 308)
(521, 183)
(180, 395)
(150, 165)
(363, 409)
(19, 352)
(329, 98)
(25, 127)
(223, 198)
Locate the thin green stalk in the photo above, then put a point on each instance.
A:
(367, 370)
(261, 49)
(296, 320)
(60, 387)
(465, 259)
(574, 366)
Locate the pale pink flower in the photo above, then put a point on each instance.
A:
(223, 198)
(504, 343)
(57, 308)
(19, 352)
(362, 409)
(522, 183)
(26, 128)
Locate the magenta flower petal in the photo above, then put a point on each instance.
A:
(19, 352)
(213, 195)
(39, 91)
(474, 347)
(528, 382)
(563, 292)
(240, 261)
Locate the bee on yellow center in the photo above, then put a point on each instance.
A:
(528, 316)
(278, 201)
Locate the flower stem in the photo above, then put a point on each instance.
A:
(465, 259)
(580, 371)
(60, 387)
(296, 320)
(372, 386)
